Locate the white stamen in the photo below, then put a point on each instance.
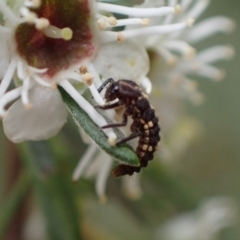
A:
(135, 12)
(99, 99)
(112, 21)
(197, 98)
(185, 4)
(7, 77)
(211, 72)
(215, 54)
(147, 85)
(124, 22)
(170, 59)
(210, 27)
(197, 9)
(87, 107)
(131, 187)
(102, 176)
(24, 94)
(84, 162)
(102, 24)
(32, 3)
(7, 98)
(189, 85)
(112, 138)
(109, 36)
(181, 47)
(190, 22)
(83, 69)
(75, 76)
(41, 81)
(133, 21)
(28, 15)
(87, 78)
(8, 13)
(55, 32)
(20, 70)
(42, 24)
(120, 37)
(4, 30)
(38, 70)
(177, 10)
(96, 95)
(96, 79)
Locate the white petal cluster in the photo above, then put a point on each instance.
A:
(160, 26)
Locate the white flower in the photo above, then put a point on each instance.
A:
(204, 223)
(42, 48)
(178, 55)
(39, 55)
(166, 32)
(37, 52)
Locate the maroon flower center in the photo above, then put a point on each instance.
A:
(54, 54)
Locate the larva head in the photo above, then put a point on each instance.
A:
(112, 92)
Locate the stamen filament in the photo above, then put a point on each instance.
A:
(96, 95)
(133, 21)
(197, 9)
(7, 98)
(96, 79)
(32, 3)
(109, 36)
(211, 72)
(181, 47)
(8, 14)
(20, 70)
(169, 58)
(84, 162)
(124, 22)
(135, 12)
(38, 70)
(24, 94)
(210, 27)
(215, 54)
(147, 85)
(75, 76)
(7, 77)
(88, 108)
(102, 177)
(41, 81)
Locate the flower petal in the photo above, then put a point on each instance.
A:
(4, 53)
(43, 120)
(122, 60)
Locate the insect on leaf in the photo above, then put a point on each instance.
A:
(123, 153)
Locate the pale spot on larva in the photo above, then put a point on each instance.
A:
(141, 154)
(144, 147)
(142, 121)
(150, 124)
(150, 148)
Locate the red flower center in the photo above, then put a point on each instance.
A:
(54, 54)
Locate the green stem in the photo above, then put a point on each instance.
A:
(54, 191)
(14, 200)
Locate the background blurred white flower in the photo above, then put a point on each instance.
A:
(204, 223)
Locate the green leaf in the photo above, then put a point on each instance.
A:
(54, 191)
(124, 153)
